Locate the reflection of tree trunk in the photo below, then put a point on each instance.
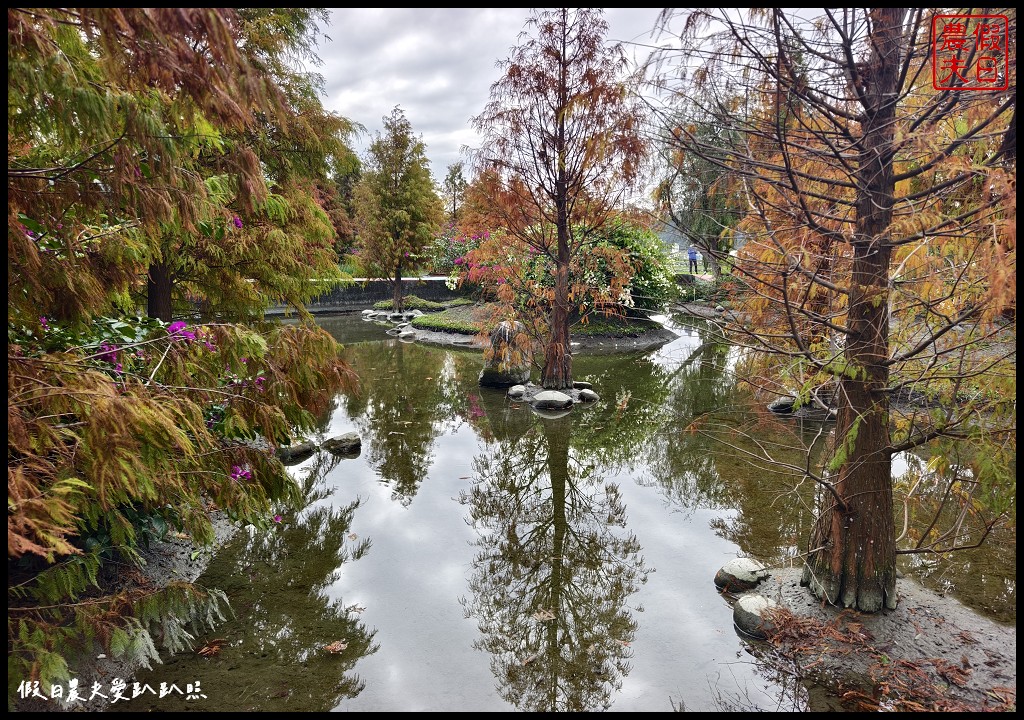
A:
(158, 289)
(853, 557)
(558, 468)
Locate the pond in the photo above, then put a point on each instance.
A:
(478, 557)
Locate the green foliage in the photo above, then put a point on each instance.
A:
(447, 254)
(398, 210)
(694, 191)
(694, 290)
(613, 326)
(352, 266)
(128, 430)
(651, 283)
(454, 190)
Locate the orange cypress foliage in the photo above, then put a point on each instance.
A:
(879, 257)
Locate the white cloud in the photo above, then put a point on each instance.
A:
(437, 64)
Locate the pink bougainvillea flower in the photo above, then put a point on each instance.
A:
(179, 329)
(109, 353)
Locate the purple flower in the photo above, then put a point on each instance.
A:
(109, 353)
(277, 518)
(239, 473)
(44, 323)
(237, 221)
(177, 329)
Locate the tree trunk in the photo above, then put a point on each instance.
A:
(158, 291)
(397, 290)
(557, 372)
(852, 562)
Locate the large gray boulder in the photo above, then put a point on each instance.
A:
(741, 574)
(752, 615)
(551, 400)
(507, 360)
(346, 445)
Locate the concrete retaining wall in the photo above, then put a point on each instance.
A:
(363, 293)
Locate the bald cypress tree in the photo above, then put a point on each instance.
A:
(398, 210)
(561, 145)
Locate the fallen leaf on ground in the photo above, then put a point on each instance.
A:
(211, 648)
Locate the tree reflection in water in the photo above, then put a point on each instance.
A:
(554, 570)
(399, 418)
(273, 655)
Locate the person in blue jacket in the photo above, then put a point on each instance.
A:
(692, 255)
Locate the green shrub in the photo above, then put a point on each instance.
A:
(600, 326)
(448, 251)
(652, 285)
(411, 302)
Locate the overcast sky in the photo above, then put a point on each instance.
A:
(437, 64)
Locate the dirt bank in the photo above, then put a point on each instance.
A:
(931, 653)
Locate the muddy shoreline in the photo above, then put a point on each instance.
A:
(950, 653)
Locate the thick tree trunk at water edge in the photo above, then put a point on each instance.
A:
(852, 562)
(852, 558)
(557, 372)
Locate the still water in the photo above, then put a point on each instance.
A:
(478, 557)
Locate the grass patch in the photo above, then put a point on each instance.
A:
(465, 319)
(696, 290)
(412, 302)
(612, 326)
(469, 319)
